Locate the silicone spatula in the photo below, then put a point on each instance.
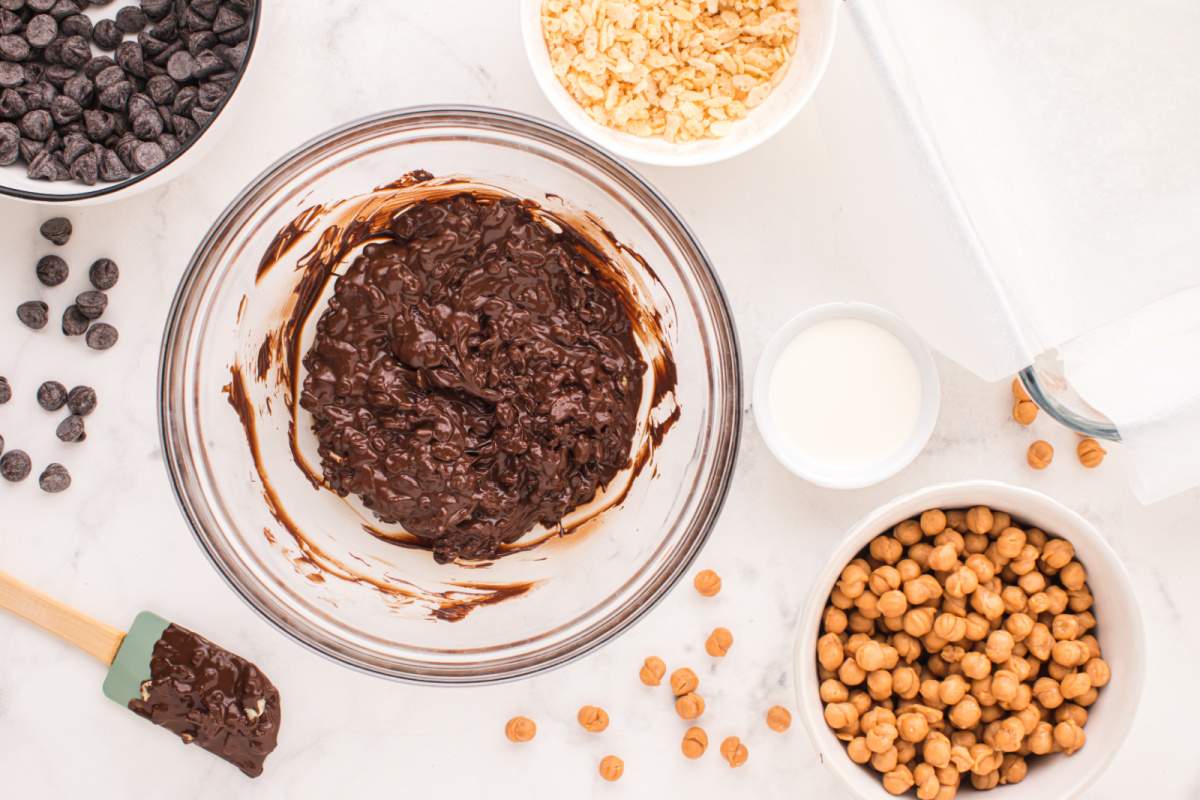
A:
(129, 655)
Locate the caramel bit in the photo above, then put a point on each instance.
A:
(1040, 454)
(719, 642)
(593, 718)
(520, 729)
(1025, 412)
(690, 706)
(1018, 391)
(779, 719)
(653, 669)
(707, 582)
(733, 751)
(695, 742)
(684, 681)
(1090, 453)
(611, 768)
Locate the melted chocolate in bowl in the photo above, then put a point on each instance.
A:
(477, 376)
(473, 376)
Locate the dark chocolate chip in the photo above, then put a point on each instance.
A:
(36, 125)
(54, 479)
(9, 22)
(185, 100)
(101, 336)
(76, 52)
(131, 19)
(91, 303)
(73, 322)
(199, 41)
(116, 96)
(181, 66)
(151, 46)
(14, 48)
(109, 76)
(81, 400)
(80, 89)
(57, 230)
(77, 25)
(130, 58)
(207, 9)
(52, 270)
(227, 20)
(104, 274)
(74, 145)
(33, 314)
(236, 36)
(64, 8)
(64, 110)
(10, 140)
(148, 155)
(162, 89)
(97, 65)
(52, 395)
(202, 116)
(112, 168)
(11, 75)
(156, 9)
(97, 124)
(40, 5)
(86, 168)
(167, 30)
(5, 392)
(107, 35)
(15, 466)
(57, 75)
(170, 144)
(71, 429)
(41, 30)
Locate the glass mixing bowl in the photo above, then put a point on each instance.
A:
(392, 610)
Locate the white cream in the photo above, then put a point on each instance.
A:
(845, 393)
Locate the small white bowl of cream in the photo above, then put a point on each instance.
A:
(846, 395)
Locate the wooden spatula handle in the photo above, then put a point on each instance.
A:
(89, 635)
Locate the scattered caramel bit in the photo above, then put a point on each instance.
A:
(719, 642)
(520, 729)
(1025, 412)
(1090, 453)
(695, 742)
(1018, 391)
(707, 582)
(689, 706)
(611, 768)
(683, 681)
(675, 70)
(733, 751)
(593, 718)
(653, 669)
(779, 719)
(1040, 454)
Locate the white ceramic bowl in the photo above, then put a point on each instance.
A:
(815, 43)
(1119, 630)
(834, 476)
(14, 181)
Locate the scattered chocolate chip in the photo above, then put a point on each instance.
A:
(57, 230)
(52, 270)
(131, 19)
(34, 314)
(52, 395)
(73, 322)
(15, 465)
(5, 391)
(54, 478)
(82, 400)
(91, 303)
(71, 429)
(101, 336)
(104, 274)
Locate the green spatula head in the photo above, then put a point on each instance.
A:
(131, 668)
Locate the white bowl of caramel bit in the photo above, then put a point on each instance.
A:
(967, 637)
(678, 82)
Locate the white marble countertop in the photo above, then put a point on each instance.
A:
(115, 543)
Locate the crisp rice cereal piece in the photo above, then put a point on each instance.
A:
(682, 70)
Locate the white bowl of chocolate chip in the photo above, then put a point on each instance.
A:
(97, 101)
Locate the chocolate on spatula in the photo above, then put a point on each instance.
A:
(169, 675)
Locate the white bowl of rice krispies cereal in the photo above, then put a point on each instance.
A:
(678, 82)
